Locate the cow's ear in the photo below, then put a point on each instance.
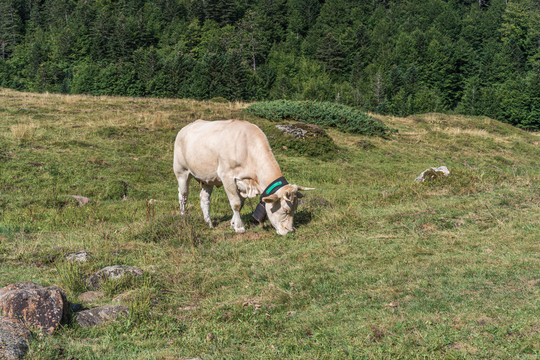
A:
(270, 199)
(287, 196)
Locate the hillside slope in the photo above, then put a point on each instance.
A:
(380, 267)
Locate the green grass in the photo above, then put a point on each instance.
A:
(379, 268)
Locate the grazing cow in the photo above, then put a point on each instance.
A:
(235, 154)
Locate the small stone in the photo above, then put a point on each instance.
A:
(81, 256)
(393, 304)
(459, 223)
(82, 200)
(14, 339)
(112, 273)
(100, 315)
(432, 173)
(210, 337)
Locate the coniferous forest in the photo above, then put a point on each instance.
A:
(476, 57)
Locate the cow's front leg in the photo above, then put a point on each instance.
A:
(206, 192)
(236, 222)
(236, 202)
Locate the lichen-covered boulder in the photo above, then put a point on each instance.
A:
(14, 339)
(111, 273)
(27, 285)
(100, 315)
(43, 308)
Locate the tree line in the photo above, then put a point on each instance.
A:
(477, 57)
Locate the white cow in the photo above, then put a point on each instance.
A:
(235, 154)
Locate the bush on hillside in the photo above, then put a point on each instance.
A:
(339, 116)
(313, 142)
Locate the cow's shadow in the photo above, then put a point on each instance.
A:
(301, 218)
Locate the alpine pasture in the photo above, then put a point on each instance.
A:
(380, 267)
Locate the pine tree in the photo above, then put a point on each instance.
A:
(331, 53)
(9, 24)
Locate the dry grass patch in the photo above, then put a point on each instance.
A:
(157, 120)
(24, 131)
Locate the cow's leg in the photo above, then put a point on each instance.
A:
(183, 189)
(206, 192)
(236, 202)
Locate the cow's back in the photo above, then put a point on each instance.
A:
(210, 148)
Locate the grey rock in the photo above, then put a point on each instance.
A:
(82, 200)
(300, 130)
(111, 273)
(37, 306)
(81, 256)
(432, 173)
(14, 339)
(292, 130)
(100, 315)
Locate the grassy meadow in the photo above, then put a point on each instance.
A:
(380, 267)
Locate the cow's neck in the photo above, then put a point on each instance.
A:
(267, 174)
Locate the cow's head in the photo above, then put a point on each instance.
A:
(281, 205)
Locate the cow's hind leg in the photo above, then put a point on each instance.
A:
(183, 178)
(206, 192)
(236, 202)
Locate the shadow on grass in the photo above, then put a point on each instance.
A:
(301, 218)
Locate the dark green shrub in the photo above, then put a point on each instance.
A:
(339, 116)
